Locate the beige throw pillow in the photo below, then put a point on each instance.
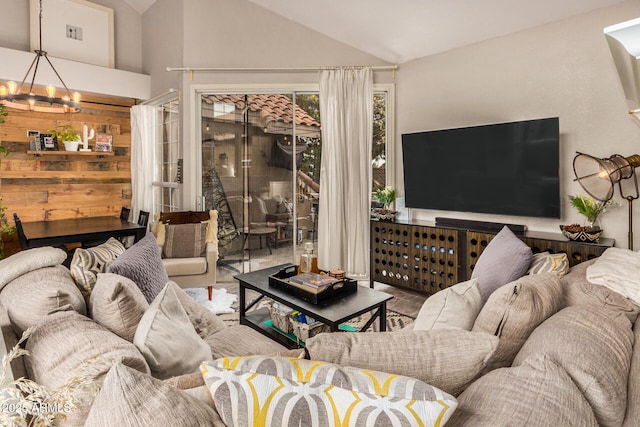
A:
(594, 346)
(515, 310)
(447, 358)
(168, 340)
(117, 304)
(129, 398)
(453, 308)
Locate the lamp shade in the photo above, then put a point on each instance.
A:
(598, 176)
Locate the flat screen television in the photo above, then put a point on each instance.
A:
(505, 168)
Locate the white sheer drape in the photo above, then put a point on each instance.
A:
(143, 137)
(346, 112)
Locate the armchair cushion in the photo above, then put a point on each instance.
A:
(185, 266)
(185, 240)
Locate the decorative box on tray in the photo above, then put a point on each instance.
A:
(311, 287)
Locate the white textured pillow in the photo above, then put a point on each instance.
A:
(29, 260)
(453, 308)
(168, 340)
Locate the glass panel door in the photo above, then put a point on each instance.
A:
(254, 154)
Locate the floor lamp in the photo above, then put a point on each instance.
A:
(598, 177)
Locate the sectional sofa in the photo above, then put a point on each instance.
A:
(547, 348)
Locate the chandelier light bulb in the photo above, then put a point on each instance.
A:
(13, 86)
(51, 91)
(3, 91)
(76, 97)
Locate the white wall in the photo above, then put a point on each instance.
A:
(14, 31)
(238, 33)
(561, 69)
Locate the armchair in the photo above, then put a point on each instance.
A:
(189, 247)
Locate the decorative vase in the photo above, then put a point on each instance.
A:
(384, 214)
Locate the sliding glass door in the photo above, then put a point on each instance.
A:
(260, 168)
(254, 148)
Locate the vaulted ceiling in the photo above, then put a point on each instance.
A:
(399, 31)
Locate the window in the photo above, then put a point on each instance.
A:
(168, 174)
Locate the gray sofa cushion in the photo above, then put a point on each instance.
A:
(593, 345)
(33, 295)
(63, 342)
(632, 418)
(579, 291)
(515, 310)
(29, 260)
(204, 321)
(449, 359)
(538, 393)
(240, 340)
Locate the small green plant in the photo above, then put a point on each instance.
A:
(65, 133)
(385, 195)
(587, 206)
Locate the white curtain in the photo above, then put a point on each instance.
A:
(143, 137)
(346, 112)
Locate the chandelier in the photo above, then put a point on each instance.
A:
(13, 96)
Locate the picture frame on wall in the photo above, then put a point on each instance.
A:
(74, 29)
(104, 142)
(48, 142)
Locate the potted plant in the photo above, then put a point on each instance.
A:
(385, 196)
(591, 210)
(68, 135)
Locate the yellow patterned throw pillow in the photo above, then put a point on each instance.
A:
(544, 262)
(279, 391)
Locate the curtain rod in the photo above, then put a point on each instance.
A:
(283, 69)
(153, 100)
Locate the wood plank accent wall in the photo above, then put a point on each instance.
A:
(64, 186)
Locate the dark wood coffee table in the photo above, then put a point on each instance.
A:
(333, 312)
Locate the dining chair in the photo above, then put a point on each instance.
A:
(124, 214)
(21, 237)
(143, 218)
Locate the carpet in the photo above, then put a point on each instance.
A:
(395, 320)
(221, 302)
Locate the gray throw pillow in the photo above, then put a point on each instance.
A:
(142, 263)
(505, 259)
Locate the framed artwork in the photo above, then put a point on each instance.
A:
(48, 142)
(103, 142)
(74, 29)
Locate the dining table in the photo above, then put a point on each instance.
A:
(78, 230)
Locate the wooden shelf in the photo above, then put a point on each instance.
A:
(70, 153)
